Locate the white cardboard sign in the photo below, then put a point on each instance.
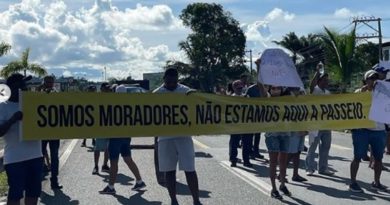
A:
(380, 106)
(278, 69)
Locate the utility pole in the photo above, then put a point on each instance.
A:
(250, 56)
(366, 20)
(105, 74)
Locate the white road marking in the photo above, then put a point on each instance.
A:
(249, 178)
(64, 157)
(201, 145)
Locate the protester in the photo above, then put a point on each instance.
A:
(253, 92)
(235, 138)
(296, 145)
(322, 138)
(174, 150)
(244, 78)
(362, 138)
(91, 89)
(277, 145)
(54, 145)
(23, 160)
(121, 146)
(101, 144)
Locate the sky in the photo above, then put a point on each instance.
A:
(80, 37)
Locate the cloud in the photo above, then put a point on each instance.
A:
(278, 13)
(89, 39)
(346, 13)
(343, 13)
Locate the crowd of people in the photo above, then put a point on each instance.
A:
(285, 147)
(25, 161)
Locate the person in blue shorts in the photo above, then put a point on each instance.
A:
(121, 146)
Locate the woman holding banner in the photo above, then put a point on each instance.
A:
(277, 145)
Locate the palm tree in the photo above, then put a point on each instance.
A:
(341, 52)
(23, 65)
(291, 42)
(4, 48)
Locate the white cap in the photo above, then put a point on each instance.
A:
(121, 89)
(369, 74)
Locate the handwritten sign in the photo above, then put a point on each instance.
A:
(380, 106)
(278, 69)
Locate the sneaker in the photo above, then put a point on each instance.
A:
(354, 187)
(275, 194)
(285, 190)
(310, 173)
(327, 172)
(108, 190)
(95, 171)
(298, 179)
(83, 144)
(258, 156)
(106, 168)
(248, 164)
(378, 186)
(138, 186)
(233, 164)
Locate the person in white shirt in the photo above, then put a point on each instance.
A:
(23, 161)
(321, 138)
(362, 138)
(177, 150)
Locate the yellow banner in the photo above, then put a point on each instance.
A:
(86, 115)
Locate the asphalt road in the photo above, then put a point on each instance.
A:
(219, 183)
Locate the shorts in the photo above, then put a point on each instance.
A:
(361, 138)
(296, 143)
(174, 151)
(118, 146)
(101, 144)
(25, 176)
(277, 143)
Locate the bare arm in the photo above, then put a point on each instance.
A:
(260, 86)
(314, 81)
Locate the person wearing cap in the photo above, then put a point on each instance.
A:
(23, 161)
(322, 138)
(54, 145)
(373, 137)
(235, 138)
(101, 144)
(173, 150)
(121, 146)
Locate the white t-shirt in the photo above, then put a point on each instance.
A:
(318, 91)
(378, 125)
(179, 89)
(16, 150)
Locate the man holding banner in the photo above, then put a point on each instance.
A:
(174, 150)
(23, 160)
(322, 138)
(362, 138)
